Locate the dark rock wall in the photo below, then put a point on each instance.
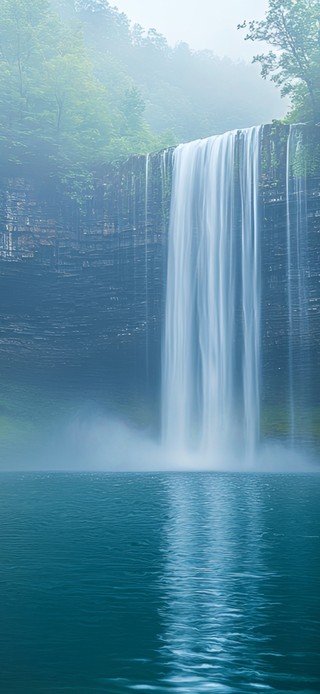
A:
(82, 286)
(299, 342)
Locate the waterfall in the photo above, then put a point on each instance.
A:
(298, 320)
(146, 258)
(250, 234)
(211, 354)
(289, 281)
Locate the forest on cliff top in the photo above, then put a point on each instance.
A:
(81, 86)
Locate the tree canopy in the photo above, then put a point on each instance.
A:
(191, 93)
(54, 111)
(80, 86)
(292, 29)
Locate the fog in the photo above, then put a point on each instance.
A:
(206, 24)
(97, 442)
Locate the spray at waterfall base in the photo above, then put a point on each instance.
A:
(218, 298)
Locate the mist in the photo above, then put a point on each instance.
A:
(204, 25)
(91, 441)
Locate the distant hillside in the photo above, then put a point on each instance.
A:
(192, 93)
(80, 86)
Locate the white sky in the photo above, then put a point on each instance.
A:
(201, 23)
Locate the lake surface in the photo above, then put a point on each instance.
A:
(178, 582)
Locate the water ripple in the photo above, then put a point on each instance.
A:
(170, 583)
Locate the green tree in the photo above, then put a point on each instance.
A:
(292, 29)
(192, 94)
(79, 86)
(53, 111)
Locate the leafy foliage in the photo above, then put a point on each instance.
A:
(292, 29)
(80, 86)
(55, 114)
(52, 107)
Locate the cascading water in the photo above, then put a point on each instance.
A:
(297, 267)
(211, 360)
(251, 281)
(146, 267)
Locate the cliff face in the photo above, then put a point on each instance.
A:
(290, 253)
(82, 284)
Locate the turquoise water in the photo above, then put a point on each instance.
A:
(178, 582)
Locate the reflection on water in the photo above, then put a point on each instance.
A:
(214, 583)
(234, 571)
(179, 582)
